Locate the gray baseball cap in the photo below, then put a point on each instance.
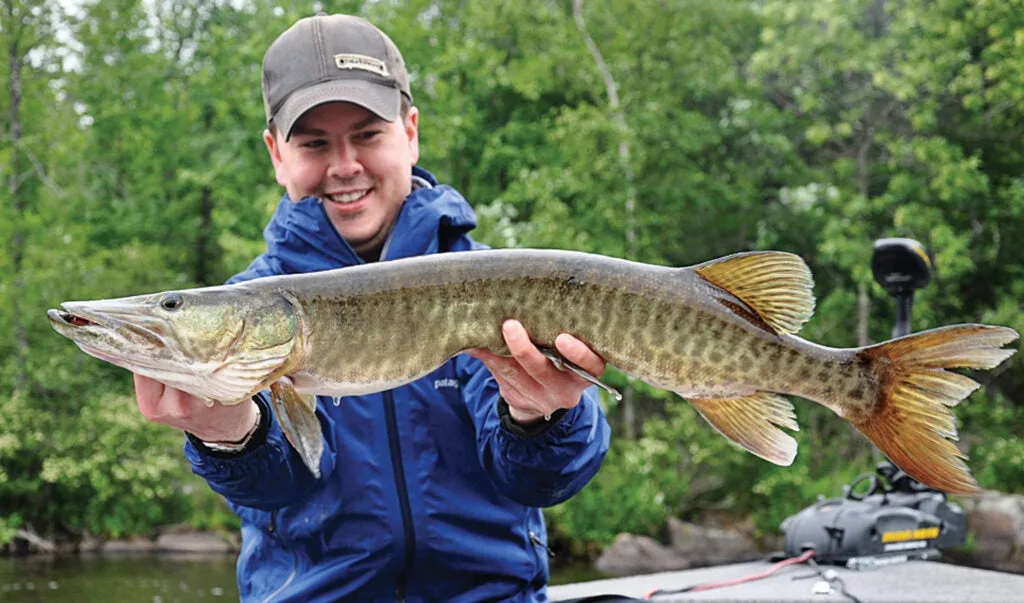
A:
(332, 58)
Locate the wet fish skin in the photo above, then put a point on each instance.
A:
(720, 334)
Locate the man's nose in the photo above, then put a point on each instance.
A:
(344, 162)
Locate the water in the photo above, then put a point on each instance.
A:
(146, 579)
(143, 579)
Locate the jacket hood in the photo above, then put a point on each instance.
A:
(301, 238)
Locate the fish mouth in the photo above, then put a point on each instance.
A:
(72, 320)
(86, 322)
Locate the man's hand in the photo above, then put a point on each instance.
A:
(529, 383)
(218, 423)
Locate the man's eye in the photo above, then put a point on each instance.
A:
(314, 144)
(366, 135)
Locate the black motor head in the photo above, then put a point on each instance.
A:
(900, 266)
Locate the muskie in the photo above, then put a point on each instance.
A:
(720, 334)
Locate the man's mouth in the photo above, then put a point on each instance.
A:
(347, 197)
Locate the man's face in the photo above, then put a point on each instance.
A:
(359, 165)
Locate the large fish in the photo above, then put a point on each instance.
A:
(720, 334)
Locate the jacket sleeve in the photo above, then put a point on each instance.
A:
(268, 473)
(539, 467)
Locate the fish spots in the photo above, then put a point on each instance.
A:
(571, 286)
(857, 393)
(716, 356)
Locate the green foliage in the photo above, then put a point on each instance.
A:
(683, 467)
(994, 424)
(208, 511)
(634, 492)
(102, 470)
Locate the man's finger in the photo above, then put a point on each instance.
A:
(485, 356)
(525, 352)
(147, 393)
(577, 352)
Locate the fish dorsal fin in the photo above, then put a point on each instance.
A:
(753, 422)
(778, 286)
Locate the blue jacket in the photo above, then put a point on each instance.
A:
(429, 492)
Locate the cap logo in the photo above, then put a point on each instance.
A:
(361, 61)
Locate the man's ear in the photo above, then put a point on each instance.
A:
(412, 132)
(275, 156)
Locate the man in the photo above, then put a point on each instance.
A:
(429, 492)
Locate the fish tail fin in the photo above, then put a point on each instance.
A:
(297, 416)
(911, 421)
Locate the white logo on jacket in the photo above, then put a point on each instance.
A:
(439, 383)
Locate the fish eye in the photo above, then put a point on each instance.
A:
(172, 301)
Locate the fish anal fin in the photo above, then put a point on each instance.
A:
(297, 416)
(776, 285)
(753, 422)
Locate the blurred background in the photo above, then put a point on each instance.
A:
(665, 131)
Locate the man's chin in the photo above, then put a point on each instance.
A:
(361, 241)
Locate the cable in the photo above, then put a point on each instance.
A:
(833, 579)
(806, 557)
(768, 572)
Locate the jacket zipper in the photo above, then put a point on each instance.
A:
(538, 543)
(403, 491)
(272, 530)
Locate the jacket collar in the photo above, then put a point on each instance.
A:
(301, 237)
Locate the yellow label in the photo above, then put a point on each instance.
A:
(904, 535)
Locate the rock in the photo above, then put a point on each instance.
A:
(703, 546)
(631, 554)
(192, 542)
(178, 542)
(997, 522)
(91, 544)
(128, 546)
(690, 546)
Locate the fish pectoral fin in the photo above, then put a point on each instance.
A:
(753, 422)
(776, 285)
(564, 365)
(297, 416)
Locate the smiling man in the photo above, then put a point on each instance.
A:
(430, 491)
(356, 162)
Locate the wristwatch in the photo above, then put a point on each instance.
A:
(238, 444)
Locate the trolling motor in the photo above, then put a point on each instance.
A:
(896, 518)
(901, 267)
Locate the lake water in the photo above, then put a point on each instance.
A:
(148, 579)
(143, 579)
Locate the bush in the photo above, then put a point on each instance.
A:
(683, 467)
(102, 470)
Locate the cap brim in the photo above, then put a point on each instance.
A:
(384, 101)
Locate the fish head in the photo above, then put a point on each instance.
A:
(221, 344)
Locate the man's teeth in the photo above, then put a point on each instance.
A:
(347, 197)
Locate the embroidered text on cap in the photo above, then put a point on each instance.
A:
(361, 61)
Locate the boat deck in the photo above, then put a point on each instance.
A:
(924, 581)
